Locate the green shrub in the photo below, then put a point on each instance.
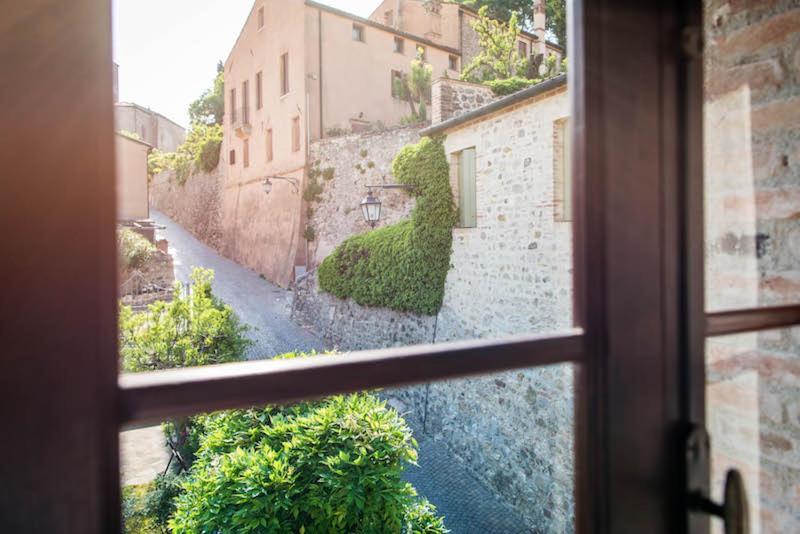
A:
(508, 86)
(135, 515)
(402, 266)
(133, 248)
(309, 234)
(333, 465)
(200, 152)
(193, 329)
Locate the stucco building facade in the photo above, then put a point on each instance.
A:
(153, 128)
(132, 188)
(302, 71)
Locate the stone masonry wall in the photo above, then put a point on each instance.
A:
(510, 275)
(451, 98)
(196, 205)
(356, 160)
(752, 170)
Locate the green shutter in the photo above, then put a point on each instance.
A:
(466, 188)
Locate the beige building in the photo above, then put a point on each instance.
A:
(154, 128)
(300, 71)
(132, 187)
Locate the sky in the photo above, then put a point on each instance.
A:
(167, 50)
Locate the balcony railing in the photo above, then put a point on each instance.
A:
(241, 122)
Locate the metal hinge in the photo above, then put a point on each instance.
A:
(692, 42)
(734, 509)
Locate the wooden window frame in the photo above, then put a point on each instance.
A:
(232, 157)
(296, 133)
(640, 321)
(464, 218)
(246, 102)
(399, 45)
(245, 153)
(260, 19)
(232, 102)
(259, 90)
(284, 73)
(358, 33)
(269, 145)
(452, 62)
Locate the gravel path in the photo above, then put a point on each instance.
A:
(468, 505)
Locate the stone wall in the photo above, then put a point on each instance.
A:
(752, 170)
(510, 275)
(356, 160)
(196, 204)
(451, 98)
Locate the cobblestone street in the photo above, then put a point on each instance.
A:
(467, 504)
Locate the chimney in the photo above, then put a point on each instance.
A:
(398, 23)
(539, 23)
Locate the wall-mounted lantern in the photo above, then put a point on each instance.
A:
(267, 183)
(371, 205)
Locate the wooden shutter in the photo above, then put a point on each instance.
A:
(466, 189)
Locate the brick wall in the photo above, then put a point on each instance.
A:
(752, 168)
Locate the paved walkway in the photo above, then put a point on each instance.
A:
(468, 506)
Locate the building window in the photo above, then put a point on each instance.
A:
(295, 134)
(562, 170)
(284, 73)
(467, 201)
(233, 106)
(260, 17)
(397, 80)
(399, 45)
(232, 157)
(259, 90)
(422, 53)
(523, 49)
(269, 144)
(246, 102)
(388, 18)
(246, 153)
(452, 62)
(358, 33)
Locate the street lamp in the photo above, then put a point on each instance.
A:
(371, 209)
(267, 183)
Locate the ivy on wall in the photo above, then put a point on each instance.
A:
(402, 266)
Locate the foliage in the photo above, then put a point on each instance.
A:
(133, 248)
(192, 329)
(314, 187)
(336, 131)
(327, 173)
(209, 108)
(414, 87)
(200, 152)
(333, 465)
(402, 266)
(509, 85)
(136, 518)
(130, 135)
(309, 234)
(556, 11)
(499, 57)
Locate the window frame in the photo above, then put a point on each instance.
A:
(401, 49)
(270, 154)
(452, 62)
(245, 153)
(259, 90)
(642, 235)
(261, 19)
(284, 74)
(232, 103)
(358, 33)
(246, 102)
(395, 75)
(296, 143)
(467, 219)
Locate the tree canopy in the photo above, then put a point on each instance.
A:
(502, 9)
(210, 106)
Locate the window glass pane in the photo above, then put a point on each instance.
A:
(491, 454)
(753, 416)
(752, 155)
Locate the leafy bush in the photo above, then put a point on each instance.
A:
(133, 248)
(309, 234)
(136, 518)
(200, 152)
(333, 465)
(402, 266)
(509, 86)
(193, 329)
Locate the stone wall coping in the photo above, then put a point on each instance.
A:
(366, 135)
(455, 81)
(497, 105)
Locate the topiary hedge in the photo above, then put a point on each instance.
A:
(402, 266)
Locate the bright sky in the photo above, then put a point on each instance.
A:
(167, 50)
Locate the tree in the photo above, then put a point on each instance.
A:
(499, 57)
(210, 106)
(502, 9)
(415, 87)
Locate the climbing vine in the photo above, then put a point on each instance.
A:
(402, 266)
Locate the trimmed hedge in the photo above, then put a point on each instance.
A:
(402, 266)
(509, 86)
